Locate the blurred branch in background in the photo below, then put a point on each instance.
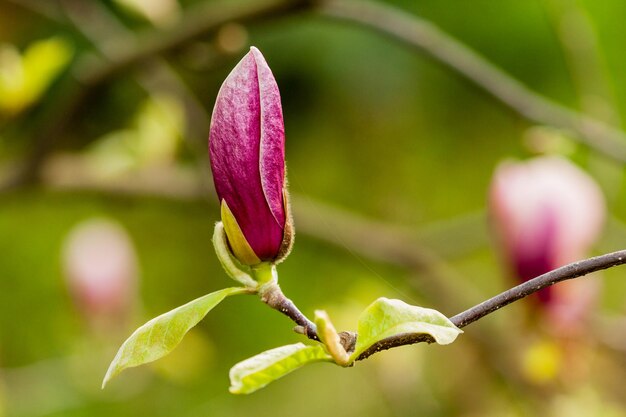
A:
(427, 37)
(348, 231)
(375, 240)
(45, 9)
(201, 20)
(577, 35)
(372, 239)
(198, 21)
(91, 70)
(587, 65)
(99, 25)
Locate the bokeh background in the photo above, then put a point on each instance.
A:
(104, 114)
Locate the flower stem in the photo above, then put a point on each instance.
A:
(273, 296)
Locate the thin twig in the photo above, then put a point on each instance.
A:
(273, 296)
(276, 299)
(427, 37)
(570, 271)
(564, 273)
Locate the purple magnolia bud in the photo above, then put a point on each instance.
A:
(247, 151)
(546, 213)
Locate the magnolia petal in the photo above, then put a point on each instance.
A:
(272, 146)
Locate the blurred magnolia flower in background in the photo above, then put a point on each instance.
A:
(101, 268)
(546, 212)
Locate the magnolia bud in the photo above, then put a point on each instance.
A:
(247, 151)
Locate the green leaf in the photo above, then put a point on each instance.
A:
(385, 318)
(258, 371)
(162, 334)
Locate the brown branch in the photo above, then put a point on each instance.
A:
(570, 271)
(273, 296)
(277, 300)
(564, 273)
(427, 37)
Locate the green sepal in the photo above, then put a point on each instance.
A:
(238, 242)
(265, 274)
(162, 334)
(234, 269)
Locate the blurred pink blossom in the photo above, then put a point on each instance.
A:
(101, 268)
(547, 212)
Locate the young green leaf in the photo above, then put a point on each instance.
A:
(162, 334)
(258, 371)
(329, 336)
(385, 318)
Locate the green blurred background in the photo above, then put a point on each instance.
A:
(390, 155)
